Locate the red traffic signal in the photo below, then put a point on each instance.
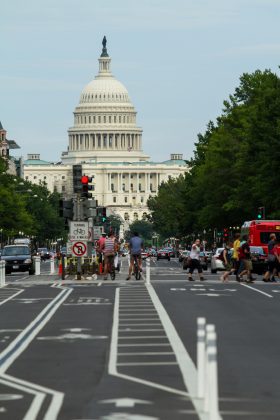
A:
(85, 179)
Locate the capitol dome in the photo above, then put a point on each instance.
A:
(105, 127)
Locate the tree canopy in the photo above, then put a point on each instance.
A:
(235, 167)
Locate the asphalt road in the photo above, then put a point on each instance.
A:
(122, 350)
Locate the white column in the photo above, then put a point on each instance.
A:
(137, 182)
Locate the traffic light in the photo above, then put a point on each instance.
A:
(261, 213)
(77, 175)
(66, 209)
(86, 187)
(225, 234)
(89, 208)
(104, 215)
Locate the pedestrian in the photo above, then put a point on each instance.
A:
(235, 257)
(245, 261)
(272, 259)
(227, 261)
(99, 248)
(194, 261)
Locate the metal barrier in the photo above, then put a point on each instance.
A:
(89, 266)
(207, 368)
(2, 273)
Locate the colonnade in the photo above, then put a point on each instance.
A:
(105, 141)
(133, 182)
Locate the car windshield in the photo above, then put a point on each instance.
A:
(43, 249)
(15, 250)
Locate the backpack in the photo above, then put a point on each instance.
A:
(221, 256)
(241, 253)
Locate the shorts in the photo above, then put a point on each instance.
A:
(132, 256)
(248, 265)
(228, 266)
(109, 259)
(195, 264)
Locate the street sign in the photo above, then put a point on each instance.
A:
(79, 248)
(78, 231)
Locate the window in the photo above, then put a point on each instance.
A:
(114, 199)
(135, 216)
(104, 118)
(126, 216)
(110, 119)
(99, 119)
(144, 217)
(115, 119)
(63, 188)
(112, 187)
(63, 177)
(35, 177)
(125, 199)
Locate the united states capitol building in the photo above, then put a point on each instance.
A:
(106, 140)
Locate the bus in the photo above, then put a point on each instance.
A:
(259, 232)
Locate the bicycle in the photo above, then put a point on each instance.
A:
(111, 267)
(136, 269)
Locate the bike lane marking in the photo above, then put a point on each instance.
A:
(10, 297)
(16, 348)
(256, 290)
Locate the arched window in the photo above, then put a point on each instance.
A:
(126, 216)
(135, 216)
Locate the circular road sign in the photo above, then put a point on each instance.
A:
(79, 249)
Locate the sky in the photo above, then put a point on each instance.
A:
(178, 59)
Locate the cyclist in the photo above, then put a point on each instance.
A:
(136, 245)
(109, 249)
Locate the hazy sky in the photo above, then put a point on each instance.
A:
(178, 59)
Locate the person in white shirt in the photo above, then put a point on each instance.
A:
(194, 260)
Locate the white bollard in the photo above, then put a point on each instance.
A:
(200, 353)
(212, 375)
(148, 271)
(52, 265)
(2, 273)
(37, 261)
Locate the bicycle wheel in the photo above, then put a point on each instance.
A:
(137, 274)
(112, 273)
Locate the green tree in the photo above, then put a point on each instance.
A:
(143, 227)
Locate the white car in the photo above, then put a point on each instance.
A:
(216, 263)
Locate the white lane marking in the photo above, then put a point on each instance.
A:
(122, 324)
(125, 402)
(140, 329)
(186, 364)
(11, 297)
(139, 337)
(112, 365)
(55, 405)
(148, 353)
(146, 345)
(73, 336)
(147, 364)
(256, 290)
(21, 342)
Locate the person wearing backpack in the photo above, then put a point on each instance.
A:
(244, 255)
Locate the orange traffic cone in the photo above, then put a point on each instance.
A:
(100, 268)
(60, 269)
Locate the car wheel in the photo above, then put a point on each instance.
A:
(31, 272)
(213, 271)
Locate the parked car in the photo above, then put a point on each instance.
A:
(208, 256)
(163, 254)
(152, 252)
(216, 262)
(202, 259)
(259, 259)
(44, 253)
(183, 254)
(144, 255)
(171, 251)
(18, 259)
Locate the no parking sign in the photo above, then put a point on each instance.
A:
(79, 249)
